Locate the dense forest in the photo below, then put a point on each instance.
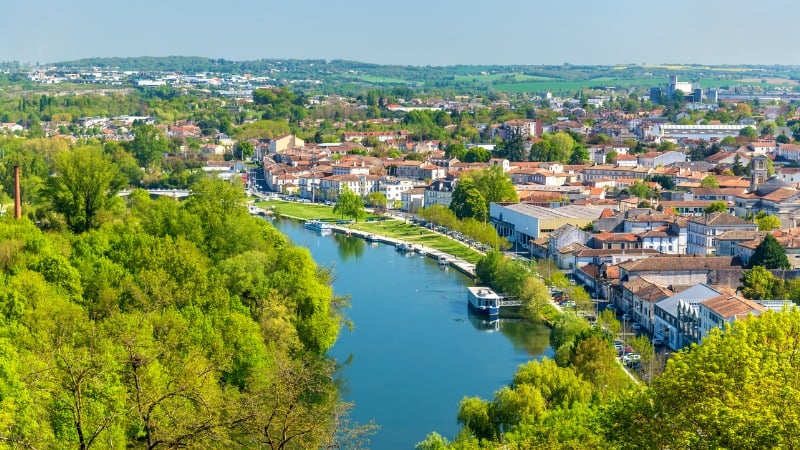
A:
(147, 323)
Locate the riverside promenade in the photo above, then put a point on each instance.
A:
(465, 267)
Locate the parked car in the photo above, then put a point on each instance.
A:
(636, 326)
(657, 341)
(626, 316)
(631, 357)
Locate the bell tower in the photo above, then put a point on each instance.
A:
(758, 174)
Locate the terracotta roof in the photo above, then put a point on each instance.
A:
(680, 263)
(740, 235)
(732, 306)
(606, 236)
(779, 195)
(600, 252)
(647, 290)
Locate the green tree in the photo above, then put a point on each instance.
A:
(767, 222)
(513, 147)
(716, 206)
(495, 185)
(768, 129)
(709, 182)
(759, 283)
(477, 154)
(377, 200)
(473, 415)
(796, 131)
(456, 150)
(665, 181)
(579, 155)
(84, 188)
(244, 150)
(148, 145)
(748, 132)
(563, 144)
(770, 254)
(467, 201)
(349, 204)
(641, 190)
(712, 397)
(737, 168)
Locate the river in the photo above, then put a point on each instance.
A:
(414, 352)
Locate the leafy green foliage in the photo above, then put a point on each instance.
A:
(767, 222)
(770, 254)
(494, 184)
(759, 283)
(149, 145)
(513, 147)
(349, 204)
(168, 325)
(467, 201)
(84, 187)
(709, 182)
(716, 206)
(734, 390)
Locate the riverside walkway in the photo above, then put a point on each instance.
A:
(459, 264)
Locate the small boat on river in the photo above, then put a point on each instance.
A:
(443, 262)
(404, 247)
(483, 301)
(318, 226)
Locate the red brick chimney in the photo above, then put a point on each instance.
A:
(17, 195)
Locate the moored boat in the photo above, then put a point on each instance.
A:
(404, 247)
(483, 301)
(318, 226)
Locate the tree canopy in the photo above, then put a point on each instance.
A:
(770, 254)
(467, 201)
(165, 325)
(84, 187)
(349, 204)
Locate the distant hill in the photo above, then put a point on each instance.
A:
(353, 76)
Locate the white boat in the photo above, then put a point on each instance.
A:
(318, 226)
(483, 301)
(443, 262)
(404, 247)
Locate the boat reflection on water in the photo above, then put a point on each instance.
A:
(489, 324)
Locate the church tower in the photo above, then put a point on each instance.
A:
(758, 174)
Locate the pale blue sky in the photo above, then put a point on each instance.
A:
(432, 32)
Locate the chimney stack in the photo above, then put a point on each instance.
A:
(17, 195)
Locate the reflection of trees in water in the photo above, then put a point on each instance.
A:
(349, 247)
(534, 338)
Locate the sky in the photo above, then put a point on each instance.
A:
(411, 32)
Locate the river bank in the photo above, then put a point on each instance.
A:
(390, 229)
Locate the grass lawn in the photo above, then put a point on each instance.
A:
(303, 211)
(411, 233)
(391, 228)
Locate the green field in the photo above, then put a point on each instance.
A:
(489, 78)
(391, 228)
(384, 80)
(571, 86)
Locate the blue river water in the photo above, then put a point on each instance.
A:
(414, 351)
